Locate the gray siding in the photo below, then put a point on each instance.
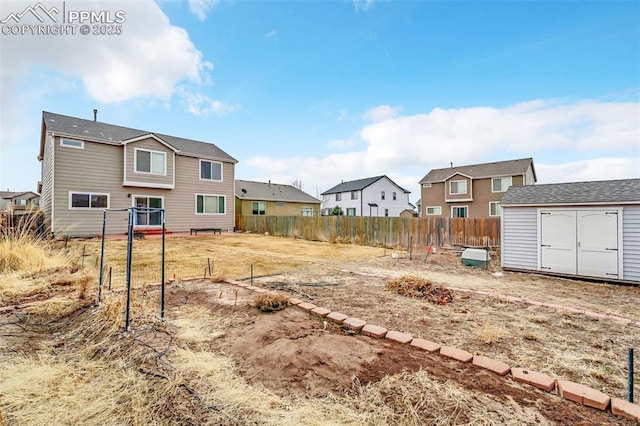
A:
(631, 243)
(46, 197)
(99, 168)
(520, 238)
(145, 178)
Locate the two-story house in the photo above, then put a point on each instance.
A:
(474, 190)
(273, 199)
(88, 166)
(374, 196)
(18, 203)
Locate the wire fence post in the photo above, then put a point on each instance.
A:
(630, 391)
(162, 214)
(104, 225)
(128, 271)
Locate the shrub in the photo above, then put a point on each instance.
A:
(271, 301)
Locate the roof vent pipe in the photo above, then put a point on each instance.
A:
(95, 114)
(452, 164)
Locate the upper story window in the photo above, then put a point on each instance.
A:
(500, 184)
(382, 195)
(354, 195)
(152, 162)
(394, 196)
(426, 185)
(72, 143)
(457, 187)
(210, 170)
(338, 196)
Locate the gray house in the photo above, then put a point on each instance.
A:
(589, 229)
(88, 166)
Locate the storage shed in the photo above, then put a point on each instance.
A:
(588, 229)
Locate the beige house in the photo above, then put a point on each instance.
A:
(18, 203)
(273, 199)
(474, 190)
(88, 166)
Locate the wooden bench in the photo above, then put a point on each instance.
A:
(194, 231)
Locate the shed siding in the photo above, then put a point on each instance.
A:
(46, 197)
(631, 243)
(520, 238)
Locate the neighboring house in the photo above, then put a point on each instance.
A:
(474, 190)
(88, 166)
(273, 199)
(408, 213)
(18, 203)
(587, 229)
(419, 207)
(374, 196)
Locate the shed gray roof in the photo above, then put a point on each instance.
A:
(95, 130)
(251, 190)
(625, 191)
(484, 170)
(359, 185)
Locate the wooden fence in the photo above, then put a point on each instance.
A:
(380, 231)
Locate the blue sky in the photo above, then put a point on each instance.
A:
(323, 91)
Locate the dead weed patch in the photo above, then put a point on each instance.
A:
(420, 288)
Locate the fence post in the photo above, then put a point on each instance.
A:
(630, 391)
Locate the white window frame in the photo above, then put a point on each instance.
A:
(338, 196)
(151, 152)
(460, 207)
(354, 195)
(307, 211)
(147, 196)
(264, 212)
(426, 185)
(65, 143)
(394, 196)
(71, 193)
(382, 195)
(439, 210)
(351, 209)
(497, 203)
(204, 213)
(510, 181)
(386, 212)
(211, 162)
(457, 182)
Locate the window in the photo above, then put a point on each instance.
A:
(210, 204)
(426, 185)
(500, 184)
(386, 212)
(87, 200)
(382, 195)
(494, 208)
(354, 195)
(153, 162)
(457, 187)
(434, 211)
(70, 143)
(144, 217)
(338, 197)
(279, 203)
(259, 208)
(307, 211)
(351, 211)
(459, 211)
(394, 196)
(210, 170)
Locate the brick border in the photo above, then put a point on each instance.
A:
(568, 390)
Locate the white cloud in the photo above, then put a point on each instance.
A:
(587, 140)
(381, 113)
(362, 5)
(201, 8)
(200, 104)
(271, 34)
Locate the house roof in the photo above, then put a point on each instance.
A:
(625, 191)
(7, 195)
(359, 185)
(484, 170)
(250, 190)
(95, 130)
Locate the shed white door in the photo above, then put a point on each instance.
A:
(598, 243)
(582, 242)
(558, 241)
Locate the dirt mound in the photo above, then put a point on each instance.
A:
(420, 288)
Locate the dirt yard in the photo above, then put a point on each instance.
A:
(219, 360)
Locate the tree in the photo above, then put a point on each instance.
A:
(297, 184)
(337, 211)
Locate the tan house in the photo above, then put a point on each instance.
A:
(88, 166)
(474, 190)
(18, 203)
(273, 199)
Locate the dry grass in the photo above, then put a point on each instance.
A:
(271, 301)
(417, 287)
(489, 333)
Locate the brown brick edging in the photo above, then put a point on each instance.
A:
(568, 390)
